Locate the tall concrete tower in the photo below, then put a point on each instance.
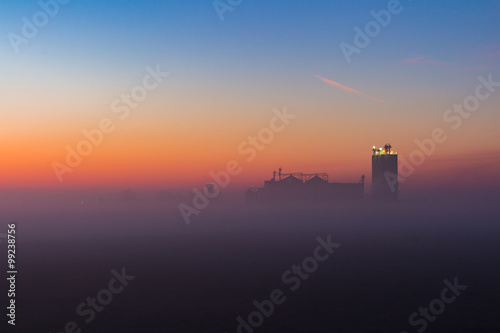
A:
(385, 174)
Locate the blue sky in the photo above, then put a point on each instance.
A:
(289, 34)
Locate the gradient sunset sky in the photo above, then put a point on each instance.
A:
(226, 77)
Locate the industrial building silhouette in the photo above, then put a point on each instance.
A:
(384, 174)
(315, 187)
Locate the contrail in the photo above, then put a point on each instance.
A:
(338, 85)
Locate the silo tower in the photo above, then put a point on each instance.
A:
(385, 174)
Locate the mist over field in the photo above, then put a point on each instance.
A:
(391, 259)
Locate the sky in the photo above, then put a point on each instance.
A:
(228, 78)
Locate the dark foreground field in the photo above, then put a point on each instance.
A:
(201, 277)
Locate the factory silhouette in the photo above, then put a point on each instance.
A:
(315, 187)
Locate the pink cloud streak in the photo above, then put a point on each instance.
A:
(338, 85)
(422, 60)
(425, 60)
